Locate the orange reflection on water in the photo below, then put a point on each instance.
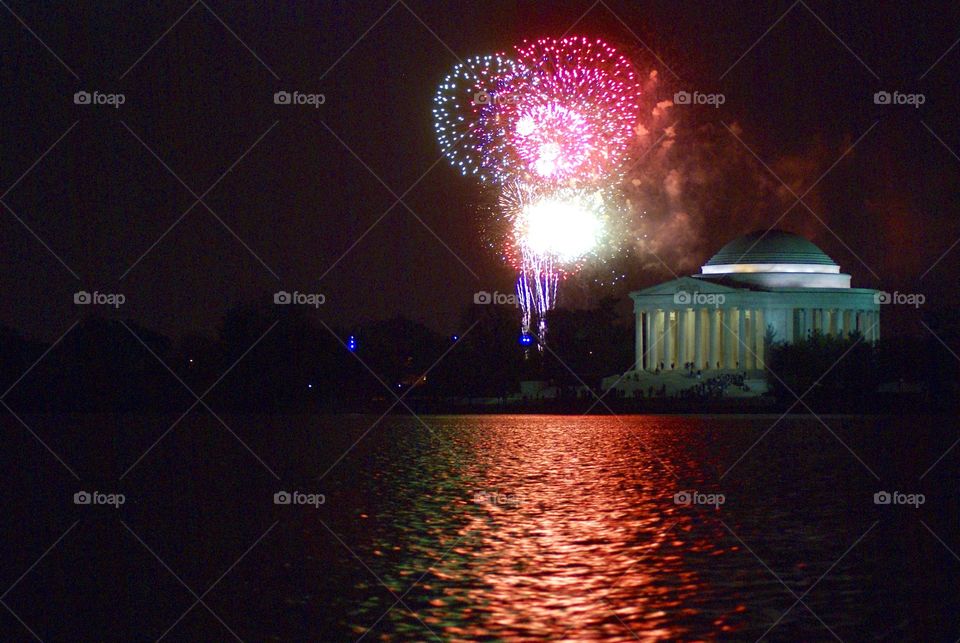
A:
(562, 530)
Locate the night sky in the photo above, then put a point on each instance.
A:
(307, 199)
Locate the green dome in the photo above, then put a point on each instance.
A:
(770, 247)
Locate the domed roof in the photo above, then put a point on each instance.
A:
(770, 247)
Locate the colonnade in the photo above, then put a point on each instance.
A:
(734, 337)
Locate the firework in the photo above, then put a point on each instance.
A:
(553, 233)
(552, 126)
(573, 226)
(466, 116)
(574, 104)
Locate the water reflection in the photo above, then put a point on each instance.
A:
(565, 528)
(553, 528)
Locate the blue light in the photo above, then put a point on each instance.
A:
(351, 343)
(526, 339)
(454, 338)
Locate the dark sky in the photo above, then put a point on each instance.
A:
(289, 213)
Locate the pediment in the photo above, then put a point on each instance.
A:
(684, 284)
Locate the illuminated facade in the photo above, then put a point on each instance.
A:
(767, 286)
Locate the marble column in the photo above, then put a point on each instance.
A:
(747, 339)
(732, 331)
(647, 321)
(682, 337)
(659, 339)
(713, 354)
(790, 336)
(874, 317)
(638, 342)
(670, 353)
(723, 336)
(729, 355)
(807, 322)
(698, 337)
(755, 338)
(741, 338)
(649, 355)
(760, 337)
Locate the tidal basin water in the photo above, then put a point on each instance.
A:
(568, 528)
(521, 528)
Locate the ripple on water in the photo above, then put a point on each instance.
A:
(536, 527)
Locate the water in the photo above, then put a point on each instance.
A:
(497, 528)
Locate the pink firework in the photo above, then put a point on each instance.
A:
(575, 105)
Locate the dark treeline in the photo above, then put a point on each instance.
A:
(301, 364)
(285, 359)
(847, 373)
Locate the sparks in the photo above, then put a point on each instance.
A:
(550, 126)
